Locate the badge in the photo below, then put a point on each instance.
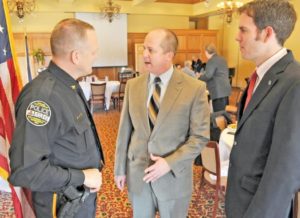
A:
(38, 113)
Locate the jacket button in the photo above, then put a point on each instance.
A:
(235, 143)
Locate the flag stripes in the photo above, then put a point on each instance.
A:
(10, 84)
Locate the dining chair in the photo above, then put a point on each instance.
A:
(117, 97)
(98, 94)
(125, 75)
(296, 205)
(232, 109)
(211, 172)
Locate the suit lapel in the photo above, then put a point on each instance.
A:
(172, 92)
(267, 83)
(142, 96)
(262, 90)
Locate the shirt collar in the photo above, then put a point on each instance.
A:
(264, 67)
(165, 77)
(63, 76)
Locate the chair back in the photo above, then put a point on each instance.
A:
(221, 122)
(125, 75)
(239, 96)
(220, 119)
(98, 91)
(211, 158)
(212, 167)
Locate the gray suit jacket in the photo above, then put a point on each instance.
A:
(180, 132)
(216, 77)
(265, 159)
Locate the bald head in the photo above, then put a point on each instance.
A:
(169, 41)
(67, 35)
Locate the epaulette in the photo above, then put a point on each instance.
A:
(47, 86)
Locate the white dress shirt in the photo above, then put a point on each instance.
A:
(264, 67)
(165, 78)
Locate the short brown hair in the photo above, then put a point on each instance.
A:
(278, 14)
(67, 35)
(211, 48)
(170, 41)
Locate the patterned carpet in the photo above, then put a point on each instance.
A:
(111, 202)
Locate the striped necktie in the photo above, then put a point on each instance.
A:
(154, 103)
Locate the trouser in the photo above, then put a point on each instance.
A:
(219, 104)
(146, 204)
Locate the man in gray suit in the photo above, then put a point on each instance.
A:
(155, 158)
(264, 162)
(216, 78)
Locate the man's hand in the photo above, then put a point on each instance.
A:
(120, 182)
(156, 170)
(92, 179)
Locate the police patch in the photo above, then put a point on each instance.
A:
(38, 113)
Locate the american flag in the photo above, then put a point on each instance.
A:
(10, 84)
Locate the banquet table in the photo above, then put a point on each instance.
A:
(111, 86)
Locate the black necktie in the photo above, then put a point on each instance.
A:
(154, 103)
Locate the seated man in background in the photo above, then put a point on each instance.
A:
(216, 78)
(188, 68)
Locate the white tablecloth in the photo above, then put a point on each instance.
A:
(111, 86)
(4, 186)
(225, 145)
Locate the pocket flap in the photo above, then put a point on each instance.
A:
(82, 126)
(250, 184)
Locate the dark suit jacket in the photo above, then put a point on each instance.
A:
(216, 77)
(265, 158)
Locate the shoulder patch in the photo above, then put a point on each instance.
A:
(38, 113)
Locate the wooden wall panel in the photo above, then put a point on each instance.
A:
(194, 42)
(191, 43)
(35, 41)
(180, 57)
(182, 41)
(19, 44)
(40, 40)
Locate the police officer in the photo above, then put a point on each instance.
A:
(55, 145)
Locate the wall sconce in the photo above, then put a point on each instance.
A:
(110, 10)
(228, 8)
(21, 7)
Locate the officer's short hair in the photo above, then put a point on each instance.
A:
(67, 35)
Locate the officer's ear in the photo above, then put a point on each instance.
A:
(75, 56)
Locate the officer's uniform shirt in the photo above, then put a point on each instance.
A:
(55, 137)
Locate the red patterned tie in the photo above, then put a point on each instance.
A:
(250, 89)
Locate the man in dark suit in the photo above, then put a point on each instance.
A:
(155, 156)
(264, 162)
(196, 64)
(216, 78)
